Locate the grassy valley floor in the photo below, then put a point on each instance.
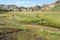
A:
(30, 26)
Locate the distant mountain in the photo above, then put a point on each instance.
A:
(8, 7)
(15, 8)
(53, 7)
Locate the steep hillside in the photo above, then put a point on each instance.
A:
(56, 8)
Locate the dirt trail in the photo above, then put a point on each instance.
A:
(36, 27)
(41, 27)
(33, 26)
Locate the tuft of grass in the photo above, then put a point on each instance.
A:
(16, 26)
(51, 33)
